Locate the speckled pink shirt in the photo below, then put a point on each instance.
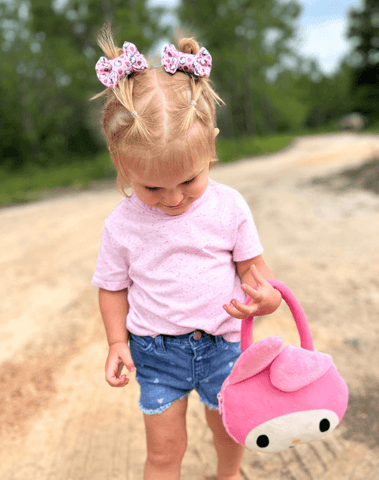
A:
(180, 269)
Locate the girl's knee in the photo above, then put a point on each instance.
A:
(167, 451)
(167, 435)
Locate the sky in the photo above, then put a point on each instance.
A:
(322, 29)
(323, 26)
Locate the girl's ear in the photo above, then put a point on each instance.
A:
(217, 131)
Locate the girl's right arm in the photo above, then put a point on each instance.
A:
(114, 308)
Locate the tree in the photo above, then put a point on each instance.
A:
(364, 29)
(47, 73)
(323, 98)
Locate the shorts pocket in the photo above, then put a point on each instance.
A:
(144, 344)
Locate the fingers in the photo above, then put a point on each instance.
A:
(237, 309)
(119, 382)
(115, 363)
(255, 295)
(113, 374)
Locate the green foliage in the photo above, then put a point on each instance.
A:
(47, 74)
(289, 104)
(322, 100)
(33, 182)
(232, 149)
(363, 28)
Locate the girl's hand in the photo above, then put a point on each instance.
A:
(265, 300)
(118, 357)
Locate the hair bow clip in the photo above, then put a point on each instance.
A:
(109, 72)
(199, 64)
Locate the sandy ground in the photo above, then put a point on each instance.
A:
(59, 419)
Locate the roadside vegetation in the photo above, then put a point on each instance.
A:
(33, 183)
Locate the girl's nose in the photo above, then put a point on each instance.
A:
(173, 199)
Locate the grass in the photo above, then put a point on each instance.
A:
(232, 149)
(34, 183)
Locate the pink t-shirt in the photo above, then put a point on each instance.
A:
(180, 269)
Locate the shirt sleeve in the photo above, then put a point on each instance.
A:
(112, 271)
(247, 243)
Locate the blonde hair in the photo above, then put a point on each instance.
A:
(158, 121)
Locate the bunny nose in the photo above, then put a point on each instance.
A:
(295, 442)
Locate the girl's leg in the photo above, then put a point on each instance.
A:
(229, 452)
(166, 436)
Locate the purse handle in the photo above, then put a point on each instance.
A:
(297, 312)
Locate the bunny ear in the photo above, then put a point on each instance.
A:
(295, 367)
(256, 358)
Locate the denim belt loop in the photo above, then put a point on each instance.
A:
(159, 343)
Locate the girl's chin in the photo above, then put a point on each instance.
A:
(175, 210)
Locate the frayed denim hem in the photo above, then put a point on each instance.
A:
(208, 405)
(161, 409)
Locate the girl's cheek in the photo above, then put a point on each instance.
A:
(147, 197)
(152, 197)
(199, 189)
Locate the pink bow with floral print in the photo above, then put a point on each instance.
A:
(199, 64)
(109, 72)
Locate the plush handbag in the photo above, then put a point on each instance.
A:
(275, 397)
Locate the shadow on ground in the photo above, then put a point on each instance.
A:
(361, 419)
(365, 176)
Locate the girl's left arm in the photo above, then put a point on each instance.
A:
(264, 300)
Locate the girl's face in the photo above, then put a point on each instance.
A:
(172, 194)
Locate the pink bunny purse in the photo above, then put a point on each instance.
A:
(275, 397)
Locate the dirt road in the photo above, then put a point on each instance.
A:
(59, 419)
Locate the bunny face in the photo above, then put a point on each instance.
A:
(289, 430)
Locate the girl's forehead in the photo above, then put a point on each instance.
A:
(162, 177)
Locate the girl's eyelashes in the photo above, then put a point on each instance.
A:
(189, 181)
(154, 189)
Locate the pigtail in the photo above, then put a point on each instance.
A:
(131, 118)
(126, 117)
(199, 86)
(106, 43)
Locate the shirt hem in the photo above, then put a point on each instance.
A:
(246, 256)
(112, 287)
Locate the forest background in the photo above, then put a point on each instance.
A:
(50, 133)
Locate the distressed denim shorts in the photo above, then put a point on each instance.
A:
(169, 367)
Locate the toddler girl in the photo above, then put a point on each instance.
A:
(177, 256)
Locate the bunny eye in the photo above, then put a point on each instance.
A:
(324, 425)
(263, 441)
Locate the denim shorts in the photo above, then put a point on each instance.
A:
(169, 367)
